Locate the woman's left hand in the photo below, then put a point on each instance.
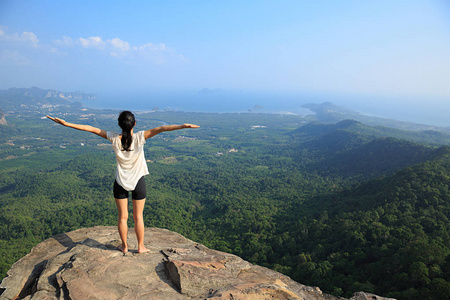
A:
(57, 120)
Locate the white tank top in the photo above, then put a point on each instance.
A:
(131, 165)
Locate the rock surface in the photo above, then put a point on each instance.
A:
(85, 264)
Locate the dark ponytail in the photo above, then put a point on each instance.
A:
(126, 122)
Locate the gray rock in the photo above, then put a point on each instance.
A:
(368, 296)
(85, 264)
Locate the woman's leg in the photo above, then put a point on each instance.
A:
(122, 208)
(138, 210)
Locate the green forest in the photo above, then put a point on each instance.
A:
(344, 206)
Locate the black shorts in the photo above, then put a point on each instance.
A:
(139, 193)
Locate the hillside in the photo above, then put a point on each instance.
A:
(354, 150)
(392, 233)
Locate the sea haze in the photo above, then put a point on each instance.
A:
(216, 101)
(432, 112)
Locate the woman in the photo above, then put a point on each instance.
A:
(131, 169)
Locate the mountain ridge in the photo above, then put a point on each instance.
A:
(327, 112)
(47, 93)
(36, 99)
(317, 129)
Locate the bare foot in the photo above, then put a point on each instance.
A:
(123, 249)
(143, 250)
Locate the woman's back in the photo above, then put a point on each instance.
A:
(131, 165)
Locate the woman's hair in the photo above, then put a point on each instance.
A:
(126, 122)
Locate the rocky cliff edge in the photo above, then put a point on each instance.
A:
(85, 264)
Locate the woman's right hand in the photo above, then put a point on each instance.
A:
(57, 120)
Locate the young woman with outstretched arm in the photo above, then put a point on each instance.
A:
(131, 169)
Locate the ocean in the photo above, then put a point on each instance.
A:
(214, 102)
(431, 111)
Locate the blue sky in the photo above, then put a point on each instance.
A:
(378, 48)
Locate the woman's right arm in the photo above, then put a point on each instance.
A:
(81, 127)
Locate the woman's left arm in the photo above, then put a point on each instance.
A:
(154, 131)
(87, 128)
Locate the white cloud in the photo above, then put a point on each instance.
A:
(29, 37)
(92, 42)
(116, 47)
(25, 37)
(156, 53)
(118, 44)
(152, 47)
(153, 53)
(65, 41)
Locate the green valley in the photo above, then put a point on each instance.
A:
(344, 206)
